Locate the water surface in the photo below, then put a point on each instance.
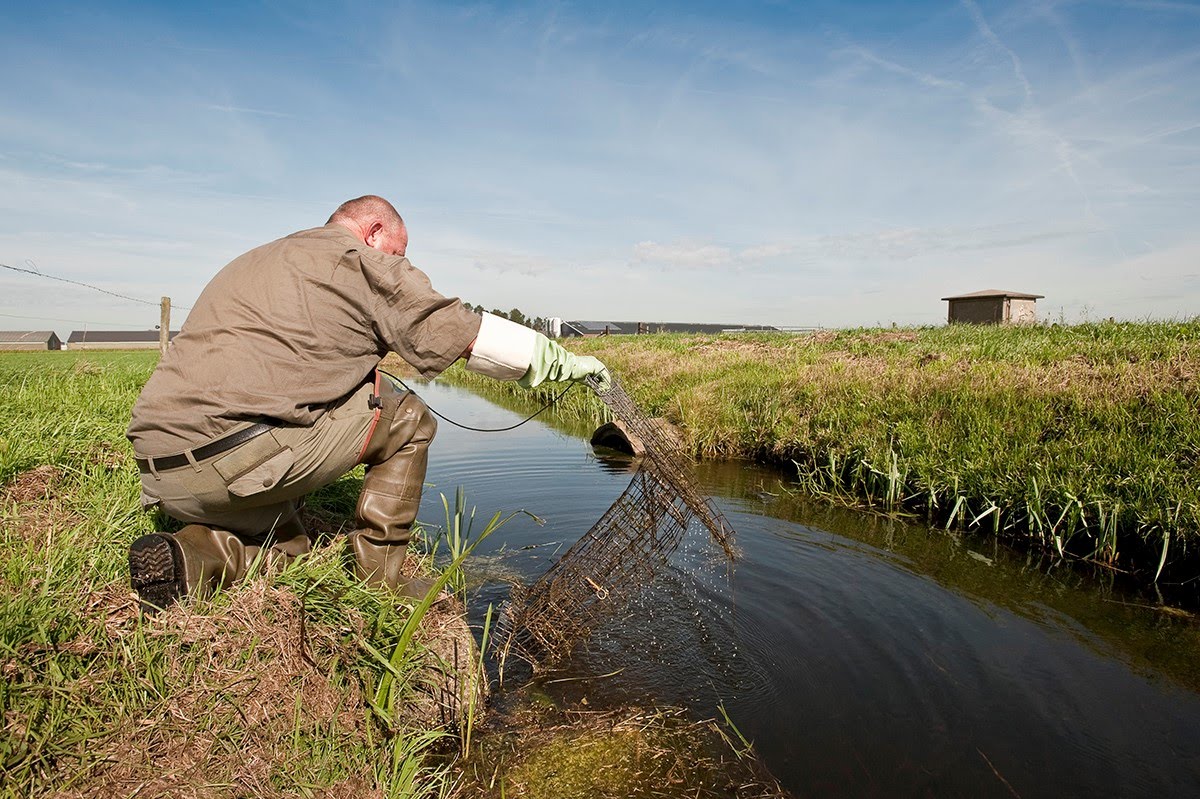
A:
(864, 657)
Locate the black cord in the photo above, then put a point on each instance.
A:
(561, 394)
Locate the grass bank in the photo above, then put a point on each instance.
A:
(304, 684)
(1083, 440)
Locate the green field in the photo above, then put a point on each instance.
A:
(306, 684)
(1084, 440)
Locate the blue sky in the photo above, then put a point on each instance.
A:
(783, 163)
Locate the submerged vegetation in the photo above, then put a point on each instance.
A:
(626, 753)
(1084, 440)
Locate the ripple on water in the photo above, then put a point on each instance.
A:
(856, 670)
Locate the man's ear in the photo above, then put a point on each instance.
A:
(373, 233)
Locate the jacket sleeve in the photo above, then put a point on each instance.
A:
(426, 329)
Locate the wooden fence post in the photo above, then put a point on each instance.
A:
(164, 325)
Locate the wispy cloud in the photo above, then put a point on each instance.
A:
(894, 244)
(235, 109)
(683, 255)
(504, 263)
(923, 78)
(986, 31)
(1048, 10)
(1030, 121)
(1188, 9)
(547, 155)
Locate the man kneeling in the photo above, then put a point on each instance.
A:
(271, 390)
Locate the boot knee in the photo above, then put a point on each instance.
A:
(412, 426)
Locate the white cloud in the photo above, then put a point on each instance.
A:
(503, 263)
(681, 255)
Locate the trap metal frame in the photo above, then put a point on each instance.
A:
(623, 550)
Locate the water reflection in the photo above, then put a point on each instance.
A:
(615, 461)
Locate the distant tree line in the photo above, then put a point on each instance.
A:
(515, 315)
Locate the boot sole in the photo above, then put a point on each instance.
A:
(156, 571)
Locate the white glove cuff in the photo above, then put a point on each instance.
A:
(503, 349)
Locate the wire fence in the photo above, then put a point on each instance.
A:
(37, 273)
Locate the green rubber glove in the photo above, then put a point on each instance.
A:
(552, 362)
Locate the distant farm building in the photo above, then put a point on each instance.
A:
(565, 329)
(590, 329)
(695, 327)
(993, 307)
(114, 339)
(29, 340)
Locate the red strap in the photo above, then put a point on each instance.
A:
(374, 421)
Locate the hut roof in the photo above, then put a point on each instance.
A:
(1012, 295)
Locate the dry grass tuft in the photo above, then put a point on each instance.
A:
(35, 484)
(114, 607)
(109, 456)
(239, 686)
(31, 507)
(234, 690)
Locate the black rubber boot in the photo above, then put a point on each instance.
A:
(199, 560)
(156, 571)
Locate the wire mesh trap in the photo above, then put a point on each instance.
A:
(622, 552)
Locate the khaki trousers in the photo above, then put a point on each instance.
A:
(243, 504)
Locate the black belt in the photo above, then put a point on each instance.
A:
(225, 444)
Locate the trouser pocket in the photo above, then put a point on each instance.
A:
(149, 501)
(256, 466)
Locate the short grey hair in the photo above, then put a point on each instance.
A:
(367, 209)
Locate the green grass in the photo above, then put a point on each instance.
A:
(296, 685)
(1081, 439)
(1084, 440)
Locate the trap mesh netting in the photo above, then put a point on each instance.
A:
(622, 552)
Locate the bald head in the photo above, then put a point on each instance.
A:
(374, 221)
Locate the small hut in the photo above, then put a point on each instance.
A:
(993, 307)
